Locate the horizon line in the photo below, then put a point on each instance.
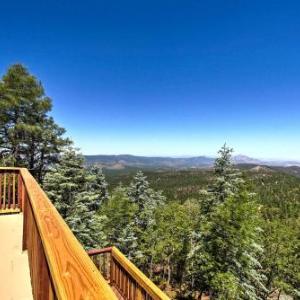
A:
(198, 155)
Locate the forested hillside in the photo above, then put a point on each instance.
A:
(278, 195)
(183, 184)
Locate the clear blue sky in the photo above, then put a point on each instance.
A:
(164, 77)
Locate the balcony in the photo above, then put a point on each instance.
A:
(40, 258)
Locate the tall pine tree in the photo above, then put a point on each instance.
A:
(28, 136)
(78, 194)
(224, 257)
(147, 201)
(120, 226)
(97, 183)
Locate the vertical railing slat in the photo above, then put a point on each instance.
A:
(14, 190)
(1, 196)
(129, 286)
(19, 193)
(10, 187)
(4, 191)
(8, 190)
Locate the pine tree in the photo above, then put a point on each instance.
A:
(227, 181)
(28, 136)
(49, 146)
(128, 242)
(168, 241)
(281, 260)
(77, 196)
(147, 201)
(97, 184)
(94, 197)
(224, 258)
(86, 224)
(119, 226)
(65, 180)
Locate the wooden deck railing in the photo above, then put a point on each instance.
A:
(59, 266)
(124, 276)
(10, 200)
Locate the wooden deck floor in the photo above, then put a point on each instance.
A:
(14, 268)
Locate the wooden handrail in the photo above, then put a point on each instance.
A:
(93, 252)
(126, 277)
(59, 266)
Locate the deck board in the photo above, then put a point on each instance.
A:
(14, 268)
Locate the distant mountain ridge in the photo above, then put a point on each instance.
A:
(127, 160)
(150, 162)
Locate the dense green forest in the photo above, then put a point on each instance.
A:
(181, 185)
(224, 233)
(277, 193)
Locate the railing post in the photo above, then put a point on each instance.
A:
(111, 267)
(25, 219)
(107, 265)
(42, 277)
(20, 192)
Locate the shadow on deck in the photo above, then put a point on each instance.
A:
(14, 266)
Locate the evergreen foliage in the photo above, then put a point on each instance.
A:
(97, 183)
(224, 259)
(275, 195)
(77, 194)
(279, 196)
(147, 201)
(281, 262)
(29, 137)
(131, 219)
(168, 242)
(65, 180)
(119, 226)
(227, 181)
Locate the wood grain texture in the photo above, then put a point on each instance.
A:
(73, 274)
(141, 279)
(126, 278)
(9, 211)
(39, 271)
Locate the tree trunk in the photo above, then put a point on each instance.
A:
(279, 294)
(169, 272)
(31, 161)
(41, 167)
(200, 295)
(151, 267)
